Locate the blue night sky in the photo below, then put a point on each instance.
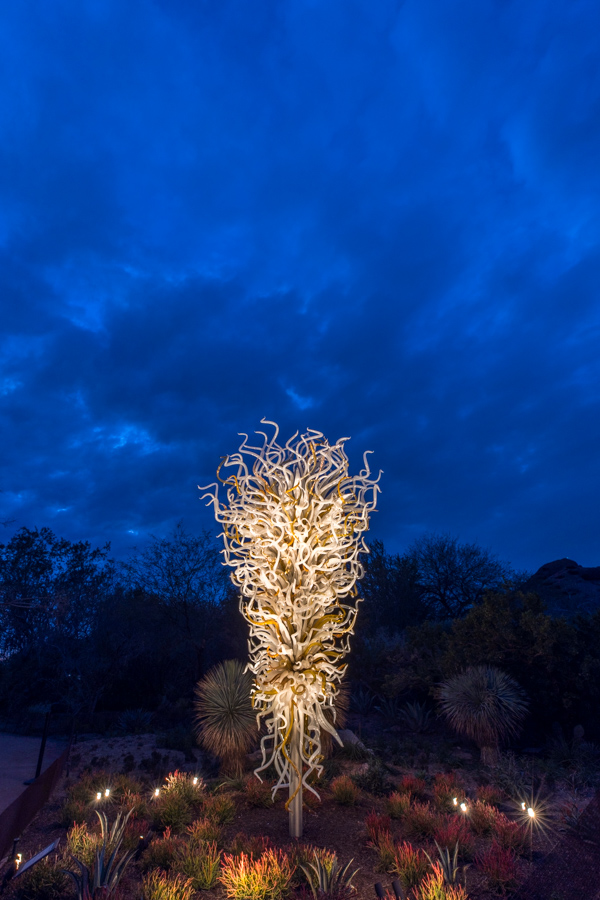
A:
(376, 219)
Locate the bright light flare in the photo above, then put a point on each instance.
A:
(464, 807)
(292, 529)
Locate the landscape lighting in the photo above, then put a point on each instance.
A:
(107, 792)
(455, 801)
(18, 860)
(195, 779)
(156, 792)
(463, 806)
(530, 812)
(523, 806)
(99, 795)
(292, 529)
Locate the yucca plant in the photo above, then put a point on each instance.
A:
(225, 719)
(448, 864)
(486, 705)
(327, 878)
(415, 717)
(107, 869)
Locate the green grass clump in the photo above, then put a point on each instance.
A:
(267, 878)
(45, 881)
(201, 864)
(158, 885)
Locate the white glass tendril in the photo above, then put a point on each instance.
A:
(292, 527)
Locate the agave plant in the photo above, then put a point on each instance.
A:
(225, 720)
(484, 704)
(388, 708)
(448, 864)
(326, 877)
(107, 870)
(416, 717)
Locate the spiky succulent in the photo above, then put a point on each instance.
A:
(485, 704)
(225, 719)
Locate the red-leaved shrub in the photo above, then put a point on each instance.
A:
(511, 835)
(410, 865)
(410, 784)
(452, 830)
(483, 818)
(421, 820)
(377, 825)
(500, 867)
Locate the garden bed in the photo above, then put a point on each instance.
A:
(369, 813)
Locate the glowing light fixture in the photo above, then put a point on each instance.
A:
(99, 795)
(455, 801)
(463, 806)
(195, 779)
(531, 812)
(107, 792)
(292, 529)
(156, 792)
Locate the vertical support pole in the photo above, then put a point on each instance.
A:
(295, 807)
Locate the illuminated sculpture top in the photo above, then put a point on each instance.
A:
(292, 528)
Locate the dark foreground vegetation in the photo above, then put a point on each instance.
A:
(123, 645)
(119, 649)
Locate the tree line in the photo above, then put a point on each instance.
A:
(93, 634)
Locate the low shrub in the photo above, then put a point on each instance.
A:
(252, 846)
(74, 812)
(511, 835)
(421, 821)
(158, 885)
(219, 809)
(410, 865)
(453, 830)
(445, 787)
(172, 810)
(410, 784)
(490, 794)
(200, 864)
(134, 831)
(45, 881)
(397, 805)
(267, 878)
(482, 818)
(82, 844)
(257, 793)
(499, 865)
(374, 780)
(344, 791)
(137, 802)
(161, 852)
(203, 830)
(181, 784)
(386, 852)
(433, 887)
(377, 825)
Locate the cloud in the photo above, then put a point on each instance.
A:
(373, 220)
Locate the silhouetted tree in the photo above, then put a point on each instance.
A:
(453, 576)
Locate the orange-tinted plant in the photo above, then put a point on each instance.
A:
(433, 887)
(410, 865)
(344, 791)
(421, 821)
(398, 804)
(483, 818)
(410, 784)
(267, 878)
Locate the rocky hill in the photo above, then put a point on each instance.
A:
(567, 587)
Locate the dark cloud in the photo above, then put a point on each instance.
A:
(378, 220)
